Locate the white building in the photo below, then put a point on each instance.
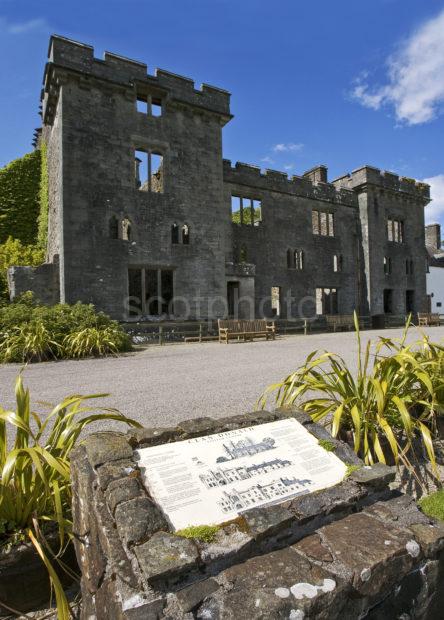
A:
(435, 271)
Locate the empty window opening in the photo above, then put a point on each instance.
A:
(174, 234)
(185, 234)
(388, 301)
(276, 300)
(246, 211)
(243, 255)
(409, 301)
(337, 263)
(151, 291)
(125, 228)
(149, 104)
(409, 267)
(232, 298)
(326, 301)
(156, 172)
(395, 230)
(141, 170)
(148, 168)
(387, 265)
(322, 223)
(113, 228)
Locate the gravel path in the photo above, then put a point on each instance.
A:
(163, 385)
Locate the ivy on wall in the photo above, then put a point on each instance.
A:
(20, 198)
(42, 232)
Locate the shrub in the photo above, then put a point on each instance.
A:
(14, 252)
(35, 487)
(388, 403)
(31, 332)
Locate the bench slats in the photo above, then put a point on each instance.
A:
(233, 328)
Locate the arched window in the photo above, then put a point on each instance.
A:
(289, 259)
(185, 234)
(113, 228)
(126, 229)
(174, 234)
(243, 254)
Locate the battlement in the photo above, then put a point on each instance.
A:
(78, 57)
(368, 175)
(273, 180)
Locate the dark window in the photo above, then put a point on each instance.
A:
(166, 287)
(243, 255)
(290, 262)
(388, 301)
(409, 301)
(174, 234)
(387, 265)
(151, 292)
(114, 228)
(135, 291)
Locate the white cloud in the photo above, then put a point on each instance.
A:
(267, 160)
(415, 86)
(32, 25)
(289, 167)
(291, 146)
(434, 212)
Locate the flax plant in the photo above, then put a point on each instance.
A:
(392, 398)
(35, 487)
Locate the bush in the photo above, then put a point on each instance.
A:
(30, 332)
(383, 407)
(35, 486)
(14, 252)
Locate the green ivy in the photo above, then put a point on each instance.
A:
(42, 235)
(14, 252)
(19, 198)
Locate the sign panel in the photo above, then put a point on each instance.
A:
(213, 479)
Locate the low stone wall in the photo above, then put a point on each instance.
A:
(352, 550)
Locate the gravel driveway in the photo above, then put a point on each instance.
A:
(163, 385)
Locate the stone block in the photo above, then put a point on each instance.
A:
(197, 427)
(378, 476)
(280, 584)
(189, 598)
(122, 491)
(372, 555)
(108, 446)
(399, 510)
(166, 558)
(268, 520)
(138, 519)
(115, 470)
(430, 536)
(229, 542)
(145, 437)
(313, 549)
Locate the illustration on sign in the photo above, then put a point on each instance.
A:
(213, 479)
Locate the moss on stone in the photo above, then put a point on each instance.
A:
(327, 445)
(205, 533)
(433, 505)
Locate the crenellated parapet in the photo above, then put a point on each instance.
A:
(67, 55)
(368, 175)
(274, 181)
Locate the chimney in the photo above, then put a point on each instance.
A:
(318, 174)
(433, 236)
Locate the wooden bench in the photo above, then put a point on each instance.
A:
(428, 318)
(246, 329)
(340, 321)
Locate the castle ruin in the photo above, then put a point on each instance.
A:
(146, 218)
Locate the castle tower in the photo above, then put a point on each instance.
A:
(135, 184)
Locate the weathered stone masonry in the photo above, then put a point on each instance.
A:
(350, 551)
(122, 225)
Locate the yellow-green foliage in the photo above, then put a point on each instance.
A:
(42, 234)
(433, 505)
(35, 484)
(14, 252)
(205, 533)
(19, 198)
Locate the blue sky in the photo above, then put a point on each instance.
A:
(343, 83)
